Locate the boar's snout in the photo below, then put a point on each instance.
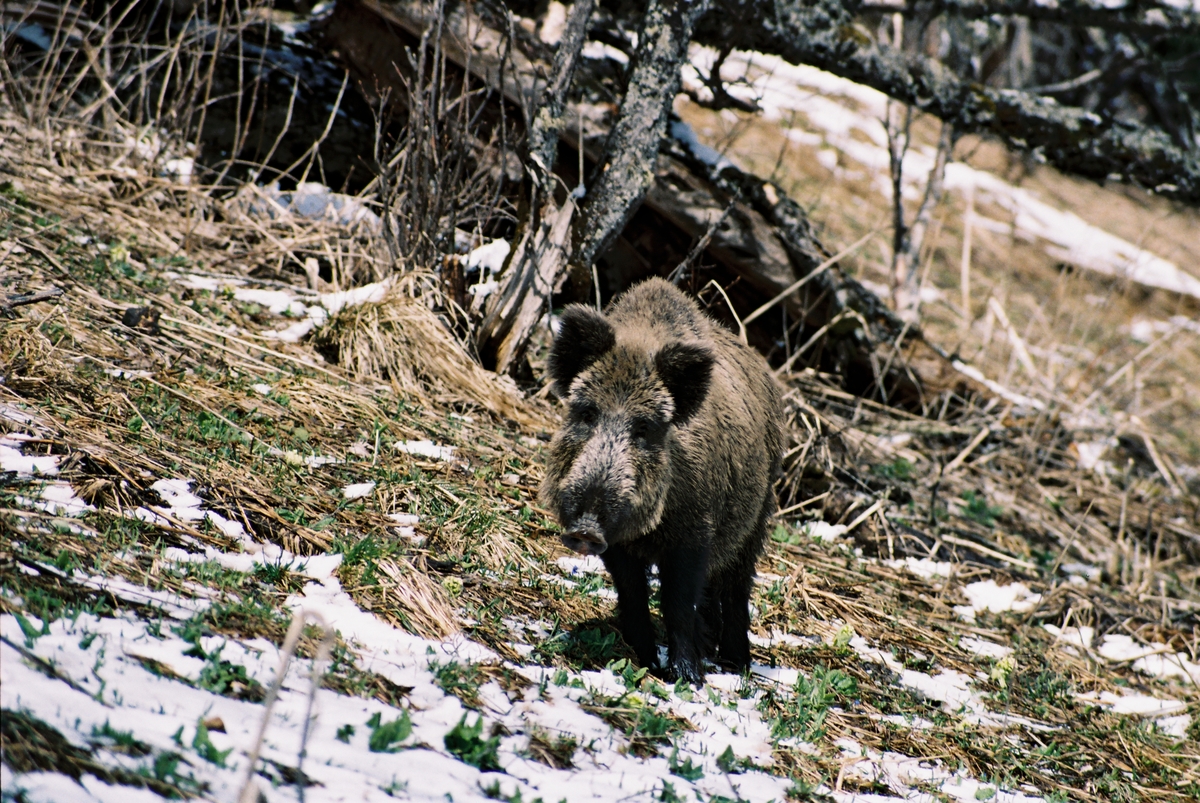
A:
(585, 536)
(593, 515)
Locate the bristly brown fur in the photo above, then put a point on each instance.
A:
(672, 440)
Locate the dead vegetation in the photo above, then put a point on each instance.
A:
(271, 432)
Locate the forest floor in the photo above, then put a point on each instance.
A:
(996, 604)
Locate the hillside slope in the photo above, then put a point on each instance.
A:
(194, 497)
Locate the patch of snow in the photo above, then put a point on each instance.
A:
(330, 304)
(12, 459)
(489, 257)
(1078, 640)
(779, 638)
(405, 524)
(1167, 714)
(1090, 454)
(683, 133)
(924, 567)
(1176, 726)
(554, 23)
(871, 653)
(849, 116)
(294, 458)
(15, 414)
(909, 777)
(57, 498)
(1141, 705)
(311, 200)
(387, 644)
(598, 50)
(174, 605)
(367, 294)
(262, 388)
(358, 490)
(425, 448)
(602, 593)
(589, 564)
(277, 302)
(180, 169)
(1155, 660)
(317, 567)
(986, 595)
(295, 332)
(823, 530)
(126, 373)
(1084, 570)
(985, 649)
(184, 505)
(1145, 330)
(483, 289)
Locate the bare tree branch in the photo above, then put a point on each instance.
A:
(821, 33)
(542, 252)
(910, 239)
(1140, 16)
(543, 133)
(627, 168)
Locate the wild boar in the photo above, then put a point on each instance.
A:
(670, 445)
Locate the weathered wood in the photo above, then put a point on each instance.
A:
(538, 262)
(821, 33)
(748, 244)
(766, 240)
(1144, 16)
(7, 303)
(627, 166)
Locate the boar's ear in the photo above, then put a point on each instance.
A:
(685, 368)
(584, 336)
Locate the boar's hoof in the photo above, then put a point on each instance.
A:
(687, 671)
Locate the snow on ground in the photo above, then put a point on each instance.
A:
(149, 680)
(311, 311)
(845, 119)
(987, 595)
(425, 448)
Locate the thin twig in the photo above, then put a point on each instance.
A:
(6, 304)
(683, 269)
(812, 274)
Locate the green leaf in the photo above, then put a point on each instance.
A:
(385, 737)
(687, 770)
(466, 743)
(727, 761)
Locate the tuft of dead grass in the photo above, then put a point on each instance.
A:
(421, 604)
(401, 340)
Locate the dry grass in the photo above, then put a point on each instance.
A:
(1075, 323)
(401, 340)
(1014, 507)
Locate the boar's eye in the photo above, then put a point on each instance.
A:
(586, 414)
(647, 430)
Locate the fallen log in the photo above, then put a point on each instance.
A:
(759, 250)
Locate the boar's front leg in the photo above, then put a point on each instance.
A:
(633, 603)
(683, 571)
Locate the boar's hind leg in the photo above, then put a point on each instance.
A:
(633, 603)
(708, 628)
(683, 571)
(733, 589)
(735, 619)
